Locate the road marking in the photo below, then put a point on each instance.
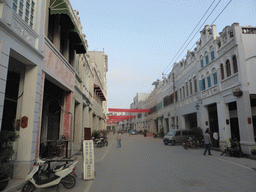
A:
(229, 162)
(106, 152)
(232, 163)
(88, 186)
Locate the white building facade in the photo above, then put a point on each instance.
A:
(212, 88)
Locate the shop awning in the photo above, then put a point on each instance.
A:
(99, 91)
(63, 7)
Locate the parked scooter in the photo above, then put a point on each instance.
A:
(156, 135)
(192, 142)
(100, 142)
(42, 176)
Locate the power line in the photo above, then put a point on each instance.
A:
(189, 36)
(199, 28)
(215, 19)
(221, 12)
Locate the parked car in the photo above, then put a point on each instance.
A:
(177, 136)
(134, 132)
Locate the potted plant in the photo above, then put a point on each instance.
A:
(253, 151)
(6, 151)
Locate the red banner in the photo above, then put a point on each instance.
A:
(121, 117)
(129, 110)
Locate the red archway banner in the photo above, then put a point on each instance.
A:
(120, 117)
(129, 110)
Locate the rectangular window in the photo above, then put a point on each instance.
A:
(180, 94)
(202, 63)
(206, 59)
(209, 81)
(212, 55)
(215, 78)
(25, 9)
(183, 88)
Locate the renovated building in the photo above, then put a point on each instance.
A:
(213, 87)
(52, 88)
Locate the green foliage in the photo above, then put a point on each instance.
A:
(96, 134)
(6, 150)
(253, 151)
(198, 132)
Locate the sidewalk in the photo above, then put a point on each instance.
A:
(15, 185)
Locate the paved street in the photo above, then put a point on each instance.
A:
(146, 164)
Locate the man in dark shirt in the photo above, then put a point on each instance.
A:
(207, 142)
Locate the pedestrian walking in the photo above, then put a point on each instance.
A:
(207, 142)
(215, 139)
(118, 138)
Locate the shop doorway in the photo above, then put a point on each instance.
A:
(235, 133)
(50, 129)
(88, 134)
(10, 101)
(167, 124)
(234, 126)
(213, 123)
(190, 121)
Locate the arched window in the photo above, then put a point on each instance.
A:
(235, 64)
(222, 71)
(206, 58)
(212, 53)
(202, 61)
(228, 69)
(214, 74)
(202, 83)
(208, 79)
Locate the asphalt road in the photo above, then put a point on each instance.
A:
(146, 164)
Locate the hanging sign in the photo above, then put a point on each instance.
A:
(88, 160)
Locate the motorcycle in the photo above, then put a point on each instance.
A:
(192, 142)
(157, 135)
(42, 176)
(100, 142)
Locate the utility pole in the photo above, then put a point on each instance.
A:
(174, 99)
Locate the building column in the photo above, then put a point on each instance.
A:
(204, 117)
(244, 114)
(4, 58)
(27, 141)
(224, 124)
(78, 126)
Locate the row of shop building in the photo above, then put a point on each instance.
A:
(51, 87)
(213, 87)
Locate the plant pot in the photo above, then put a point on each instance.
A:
(4, 183)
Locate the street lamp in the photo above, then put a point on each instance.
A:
(197, 106)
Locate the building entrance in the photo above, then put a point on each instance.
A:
(213, 121)
(10, 101)
(50, 129)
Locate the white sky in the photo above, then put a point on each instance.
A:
(141, 37)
